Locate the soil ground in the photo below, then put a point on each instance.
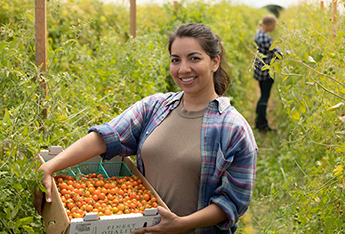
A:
(248, 220)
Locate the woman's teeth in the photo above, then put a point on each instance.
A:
(188, 79)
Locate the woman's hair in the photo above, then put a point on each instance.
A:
(212, 45)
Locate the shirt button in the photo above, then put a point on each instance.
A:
(139, 156)
(163, 116)
(147, 133)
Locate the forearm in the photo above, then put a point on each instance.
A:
(209, 216)
(80, 151)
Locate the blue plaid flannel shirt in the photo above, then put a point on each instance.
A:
(263, 42)
(228, 151)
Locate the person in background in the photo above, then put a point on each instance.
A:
(264, 42)
(196, 150)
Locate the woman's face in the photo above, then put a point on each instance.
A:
(191, 68)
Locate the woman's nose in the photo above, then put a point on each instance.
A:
(184, 67)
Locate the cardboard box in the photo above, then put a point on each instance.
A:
(56, 220)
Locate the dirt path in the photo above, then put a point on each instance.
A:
(251, 99)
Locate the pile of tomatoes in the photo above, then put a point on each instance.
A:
(110, 196)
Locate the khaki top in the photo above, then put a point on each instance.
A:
(172, 160)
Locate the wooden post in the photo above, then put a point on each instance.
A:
(41, 45)
(334, 19)
(175, 5)
(132, 17)
(322, 5)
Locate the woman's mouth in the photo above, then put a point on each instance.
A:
(186, 80)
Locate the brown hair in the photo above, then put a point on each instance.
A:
(212, 45)
(268, 20)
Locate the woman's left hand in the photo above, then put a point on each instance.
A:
(170, 223)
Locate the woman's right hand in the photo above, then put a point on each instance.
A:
(39, 196)
(87, 147)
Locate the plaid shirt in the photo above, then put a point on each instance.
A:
(263, 42)
(228, 150)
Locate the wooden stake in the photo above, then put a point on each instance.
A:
(133, 19)
(334, 18)
(322, 5)
(175, 5)
(41, 45)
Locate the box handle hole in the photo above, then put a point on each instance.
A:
(51, 223)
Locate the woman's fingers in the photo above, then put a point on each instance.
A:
(40, 197)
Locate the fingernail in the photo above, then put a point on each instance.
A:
(49, 199)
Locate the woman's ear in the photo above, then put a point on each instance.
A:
(216, 63)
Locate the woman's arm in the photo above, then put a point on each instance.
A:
(171, 223)
(87, 147)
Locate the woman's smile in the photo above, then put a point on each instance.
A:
(188, 80)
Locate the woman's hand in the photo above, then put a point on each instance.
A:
(170, 223)
(87, 147)
(39, 196)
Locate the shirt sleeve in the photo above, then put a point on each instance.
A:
(121, 134)
(238, 166)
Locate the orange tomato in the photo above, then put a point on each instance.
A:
(94, 193)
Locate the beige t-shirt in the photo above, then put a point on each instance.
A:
(172, 160)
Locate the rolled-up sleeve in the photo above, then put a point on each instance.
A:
(235, 191)
(236, 168)
(122, 133)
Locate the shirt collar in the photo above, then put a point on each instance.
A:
(223, 103)
(174, 100)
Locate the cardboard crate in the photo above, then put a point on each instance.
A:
(56, 220)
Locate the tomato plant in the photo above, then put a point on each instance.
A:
(96, 70)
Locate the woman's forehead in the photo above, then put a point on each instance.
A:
(186, 44)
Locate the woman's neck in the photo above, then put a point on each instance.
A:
(192, 103)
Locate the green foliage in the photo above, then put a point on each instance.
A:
(96, 70)
(310, 79)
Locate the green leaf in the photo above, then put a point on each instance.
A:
(265, 67)
(285, 78)
(6, 117)
(3, 46)
(25, 130)
(277, 68)
(295, 114)
(302, 108)
(18, 186)
(61, 118)
(59, 49)
(273, 45)
(335, 107)
(30, 16)
(28, 229)
(306, 56)
(26, 220)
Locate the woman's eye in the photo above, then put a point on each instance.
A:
(175, 60)
(195, 58)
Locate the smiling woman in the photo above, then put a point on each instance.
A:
(192, 70)
(197, 150)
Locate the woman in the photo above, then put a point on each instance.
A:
(196, 150)
(264, 42)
